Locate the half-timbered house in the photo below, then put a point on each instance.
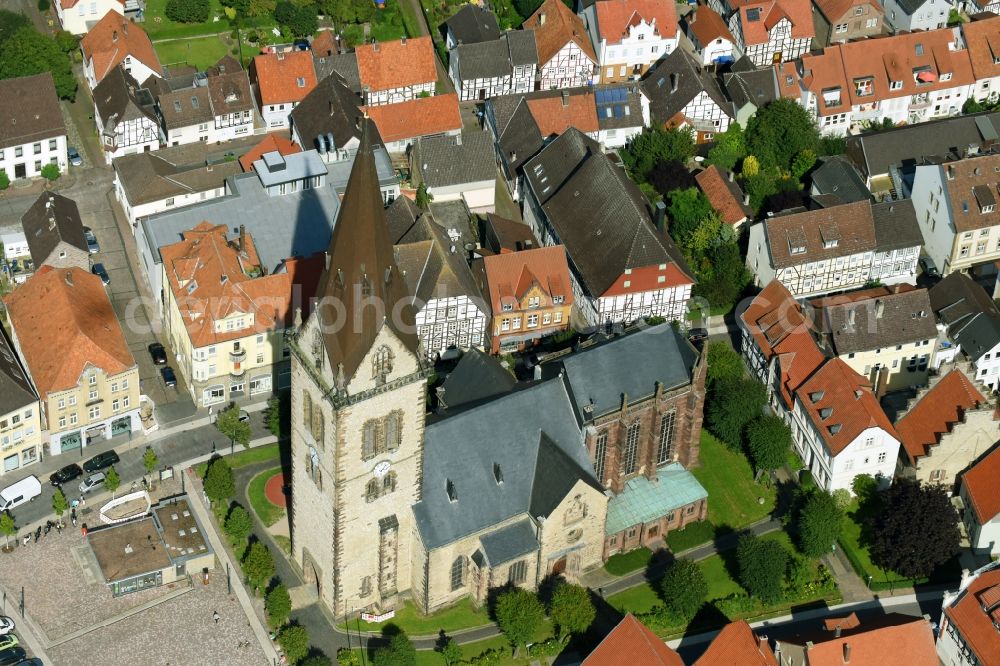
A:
(630, 35)
(682, 93)
(566, 58)
(502, 66)
(125, 115)
(769, 31)
(397, 70)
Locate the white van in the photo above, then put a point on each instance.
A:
(18, 493)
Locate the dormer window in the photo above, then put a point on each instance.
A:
(301, 82)
(835, 428)
(507, 307)
(923, 76)
(828, 244)
(816, 396)
(753, 14)
(557, 300)
(452, 492)
(497, 474)
(895, 85)
(797, 249)
(864, 87)
(831, 96)
(945, 76)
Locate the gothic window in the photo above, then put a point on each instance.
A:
(381, 364)
(666, 451)
(372, 490)
(389, 483)
(368, 436)
(317, 349)
(600, 451)
(392, 430)
(317, 424)
(631, 448)
(457, 573)
(381, 435)
(517, 573)
(306, 409)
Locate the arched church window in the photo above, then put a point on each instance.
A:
(381, 364)
(458, 573)
(371, 490)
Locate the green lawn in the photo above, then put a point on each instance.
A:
(472, 650)
(158, 26)
(283, 542)
(245, 457)
(623, 563)
(732, 493)
(201, 52)
(850, 541)
(268, 513)
(693, 535)
(460, 616)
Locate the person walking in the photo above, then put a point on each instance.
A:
(215, 616)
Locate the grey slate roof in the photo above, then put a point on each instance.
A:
(522, 138)
(344, 64)
(51, 220)
(16, 391)
(477, 376)
(837, 176)
(148, 177)
(482, 60)
(406, 222)
(472, 24)
(183, 108)
(29, 110)
(453, 160)
(758, 87)
(230, 90)
(971, 316)
(522, 46)
(436, 268)
(896, 225)
(510, 542)
(330, 107)
(606, 112)
(910, 6)
(119, 98)
(691, 79)
(631, 365)
(274, 168)
(906, 317)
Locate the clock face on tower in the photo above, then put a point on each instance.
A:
(381, 469)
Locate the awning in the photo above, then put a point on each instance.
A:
(927, 77)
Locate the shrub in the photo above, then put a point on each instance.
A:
(187, 11)
(684, 588)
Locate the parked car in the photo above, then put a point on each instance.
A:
(6, 625)
(93, 481)
(12, 655)
(697, 334)
(244, 416)
(92, 243)
(74, 156)
(928, 266)
(158, 353)
(169, 378)
(98, 270)
(65, 474)
(8, 641)
(101, 461)
(34, 661)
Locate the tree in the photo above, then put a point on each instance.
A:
(11, 22)
(399, 651)
(43, 5)
(723, 362)
(7, 527)
(762, 565)
(687, 209)
(59, 503)
(149, 460)
(916, 529)
(50, 172)
(347, 657)
(450, 651)
(733, 404)
(723, 274)
(670, 175)
(229, 424)
(278, 414)
(111, 480)
(865, 488)
(303, 21)
(519, 614)
(684, 588)
(219, 483)
(423, 198)
(657, 145)
(768, 439)
(294, 642)
(804, 161)
(818, 523)
(187, 11)
(67, 41)
(239, 524)
(278, 605)
(29, 52)
(780, 131)
(320, 659)
(571, 610)
(258, 564)
(4, 180)
(730, 147)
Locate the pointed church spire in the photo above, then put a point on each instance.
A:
(362, 289)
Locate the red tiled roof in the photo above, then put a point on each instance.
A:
(631, 643)
(906, 642)
(422, 116)
(849, 622)
(647, 278)
(615, 17)
(556, 114)
(737, 645)
(64, 322)
(771, 316)
(114, 38)
(834, 10)
(324, 44)
(509, 274)
(707, 25)
(396, 64)
(798, 13)
(982, 38)
(980, 483)
(724, 195)
(69, 4)
(283, 77)
(556, 25)
(972, 621)
(855, 408)
(269, 144)
(937, 411)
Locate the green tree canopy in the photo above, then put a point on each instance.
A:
(4, 180)
(239, 524)
(780, 131)
(571, 610)
(59, 503)
(687, 210)
(732, 404)
(657, 145)
(11, 22)
(7, 526)
(258, 564)
(722, 274)
(450, 651)
(818, 523)
(684, 588)
(729, 149)
(768, 439)
(294, 642)
(67, 41)
(187, 11)
(111, 480)
(519, 614)
(28, 52)
(399, 652)
(278, 605)
(150, 460)
(916, 530)
(320, 659)
(229, 424)
(50, 172)
(762, 564)
(219, 483)
(278, 414)
(665, 177)
(723, 362)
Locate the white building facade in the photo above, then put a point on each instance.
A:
(74, 15)
(570, 67)
(457, 321)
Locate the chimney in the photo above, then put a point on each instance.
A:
(125, 28)
(732, 176)
(673, 82)
(565, 98)
(333, 108)
(659, 216)
(243, 240)
(114, 35)
(537, 372)
(692, 17)
(847, 653)
(403, 41)
(746, 199)
(836, 631)
(458, 140)
(541, 19)
(375, 46)
(442, 406)
(69, 278)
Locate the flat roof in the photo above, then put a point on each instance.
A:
(179, 530)
(130, 549)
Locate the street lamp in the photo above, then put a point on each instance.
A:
(869, 582)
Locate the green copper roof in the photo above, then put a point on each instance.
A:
(643, 500)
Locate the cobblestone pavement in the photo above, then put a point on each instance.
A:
(175, 632)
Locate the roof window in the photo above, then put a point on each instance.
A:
(301, 81)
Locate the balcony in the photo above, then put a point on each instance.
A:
(238, 355)
(921, 101)
(238, 370)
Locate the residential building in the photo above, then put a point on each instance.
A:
(126, 116)
(271, 143)
(498, 235)
(327, 120)
(17, 256)
(502, 66)
(232, 100)
(725, 195)
(77, 16)
(622, 113)
(749, 88)
(530, 295)
(682, 93)
(956, 205)
(281, 80)
(631, 642)
(401, 125)
(396, 71)
(343, 63)
(838, 248)
(980, 39)
(909, 15)
(460, 166)
(973, 323)
(844, 20)
(768, 31)
(850, 641)
(981, 512)
(945, 428)
(577, 197)
(710, 37)
(151, 183)
(566, 56)
(20, 412)
(630, 35)
(54, 232)
(185, 116)
(905, 78)
(974, 7)
(836, 181)
(115, 41)
(886, 334)
(90, 388)
(737, 643)
(406, 223)
(968, 625)
(471, 24)
(33, 133)
(449, 309)
(225, 317)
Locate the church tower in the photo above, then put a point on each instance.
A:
(358, 403)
